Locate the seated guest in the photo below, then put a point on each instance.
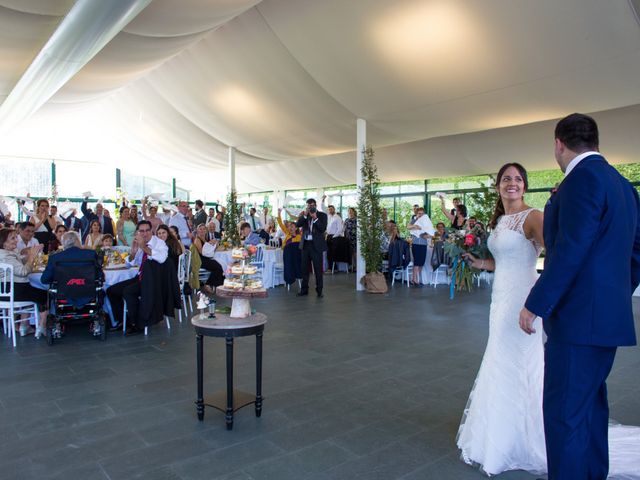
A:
(176, 233)
(441, 232)
(151, 214)
(43, 222)
(216, 275)
(107, 242)
(212, 233)
(56, 242)
(94, 238)
(250, 237)
(145, 248)
(73, 252)
(106, 224)
(22, 267)
(175, 247)
(25, 233)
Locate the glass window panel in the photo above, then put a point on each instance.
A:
(21, 176)
(411, 187)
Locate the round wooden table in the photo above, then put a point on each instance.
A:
(228, 328)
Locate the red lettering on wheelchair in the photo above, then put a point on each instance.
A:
(76, 281)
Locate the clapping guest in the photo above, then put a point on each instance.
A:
(253, 220)
(211, 216)
(150, 213)
(265, 219)
(125, 227)
(220, 222)
(25, 237)
(55, 243)
(53, 213)
(145, 247)
(8, 222)
(22, 267)
(94, 238)
(335, 226)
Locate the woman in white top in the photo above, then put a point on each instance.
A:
(22, 267)
(94, 237)
(44, 224)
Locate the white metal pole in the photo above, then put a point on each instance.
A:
(232, 169)
(361, 143)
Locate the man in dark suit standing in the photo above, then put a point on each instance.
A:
(592, 267)
(105, 222)
(312, 244)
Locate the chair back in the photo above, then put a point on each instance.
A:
(6, 282)
(75, 280)
(182, 271)
(274, 242)
(259, 255)
(187, 264)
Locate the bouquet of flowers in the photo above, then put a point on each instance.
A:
(457, 244)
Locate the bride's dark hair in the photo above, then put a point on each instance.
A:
(499, 210)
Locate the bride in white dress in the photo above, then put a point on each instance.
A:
(502, 426)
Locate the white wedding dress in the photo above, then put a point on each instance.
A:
(502, 426)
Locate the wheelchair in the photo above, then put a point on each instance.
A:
(76, 295)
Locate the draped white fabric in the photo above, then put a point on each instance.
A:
(446, 86)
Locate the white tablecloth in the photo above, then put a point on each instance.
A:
(111, 277)
(271, 257)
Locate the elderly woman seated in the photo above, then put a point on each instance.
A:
(22, 267)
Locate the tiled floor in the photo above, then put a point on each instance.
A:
(357, 386)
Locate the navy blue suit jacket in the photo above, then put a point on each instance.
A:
(592, 263)
(69, 255)
(90, 216)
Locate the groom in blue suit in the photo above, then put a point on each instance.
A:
(591, 269)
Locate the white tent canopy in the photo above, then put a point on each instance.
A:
(447, 87)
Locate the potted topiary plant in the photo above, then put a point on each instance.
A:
(370, 225)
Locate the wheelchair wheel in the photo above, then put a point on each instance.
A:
(51, 319)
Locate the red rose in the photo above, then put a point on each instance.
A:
(469, 240)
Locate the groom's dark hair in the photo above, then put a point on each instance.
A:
(579, 132)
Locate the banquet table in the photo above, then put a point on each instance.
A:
(271, 257)
(111, 277)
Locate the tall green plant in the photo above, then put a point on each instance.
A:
(482, 204)
(232, 217)
(370, 225)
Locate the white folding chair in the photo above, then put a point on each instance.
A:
(277, 273)
(187, 276)
(435, 276)
(146, 329)
(182, 272)
(259, 259)
(403, 273)
(9, 308)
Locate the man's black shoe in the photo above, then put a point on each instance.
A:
(320, 295)
(302, 294)
(116, 327)
(134, 331)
